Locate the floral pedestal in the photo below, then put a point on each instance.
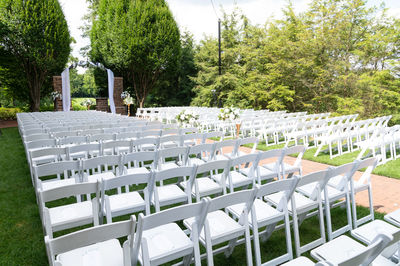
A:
(238, 124)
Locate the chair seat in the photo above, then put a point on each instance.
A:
(166, 239)
(303, 261)
(302, 202)
(238, 179)
(128, 202)
(289, 168)
(137, 170)
(46, 185)
(71, 213)
(333, 193)
(341, 248)
(394, 217)
(146, 147)
(270, 166)
(169, 194)
(367, 232)
(222, 227)
(265, 214)
(104, 253)
(206, 187)
(169, 144)
(98, 177)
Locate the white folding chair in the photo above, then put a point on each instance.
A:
(219, 227)
(330, 195)
(247, 141)
(237, 166)
(290, 169)
(265, 215)
(129, 201)
(56, 174)
(203, 184)
(172, 158)
(159, 239)
(301, 205)
(273, 170)
(171, 193)
(345, 251)
(225, 150)
(202, 153)
(170, 141)
(366, 233)
(94, 246)
(362, 184)
(70, 215)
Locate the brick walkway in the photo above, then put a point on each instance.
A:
(11, 123)
(385, 190)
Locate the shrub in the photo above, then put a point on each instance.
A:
(395, 120)
(9, 113)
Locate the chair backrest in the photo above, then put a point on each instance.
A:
(171, 131)
(346, 170)
(90, 236)
(56, 151)
(176, 152)
(213, 165)
(149, 133)
(102, 137)
(40, 143)
(87, 148)
(276, 153)
(85, 188)
(168, 138)
(370, 164)
(38, 136)
(366, 256)
(320, 179)
(115, 144)
(138, 158)
(139, 143)
(225, 144)
(127, 135)
(249, 140)
(300, 149)
(101, 163)
(56, 168)
(73, 140)
(205, 150)
(214, 134)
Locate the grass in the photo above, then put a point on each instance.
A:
(389, 169)
(21, 231)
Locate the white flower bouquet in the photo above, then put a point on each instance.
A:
(56, 95)
(186, 117)
(126, 97)
(229, 113)
(87, 102)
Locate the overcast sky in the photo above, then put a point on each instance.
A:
(198, 16)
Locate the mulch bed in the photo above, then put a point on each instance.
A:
(8, 123)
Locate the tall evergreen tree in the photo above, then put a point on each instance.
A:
(140, 39)
(35, 34)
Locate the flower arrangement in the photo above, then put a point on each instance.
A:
(56, 95)
(126, 97)
(87, 103)
(186, 117)
(229, 113)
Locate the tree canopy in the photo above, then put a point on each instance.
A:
(338, 56)
(34, 45)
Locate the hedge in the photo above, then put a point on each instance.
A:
(9, 113)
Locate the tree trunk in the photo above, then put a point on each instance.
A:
(141, 102)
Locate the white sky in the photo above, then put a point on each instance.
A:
(198, 16)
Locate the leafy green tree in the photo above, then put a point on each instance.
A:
(139, 39)
(36, 34)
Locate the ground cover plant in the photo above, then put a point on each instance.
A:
(21, 231)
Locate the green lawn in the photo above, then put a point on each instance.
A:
(21, 232)
(389, 169)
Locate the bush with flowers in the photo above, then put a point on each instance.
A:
(87, 103)
(186, 117)
(126, 97)
(229, 113)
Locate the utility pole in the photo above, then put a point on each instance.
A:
(219, 47)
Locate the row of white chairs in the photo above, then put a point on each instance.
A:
(262, 206)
